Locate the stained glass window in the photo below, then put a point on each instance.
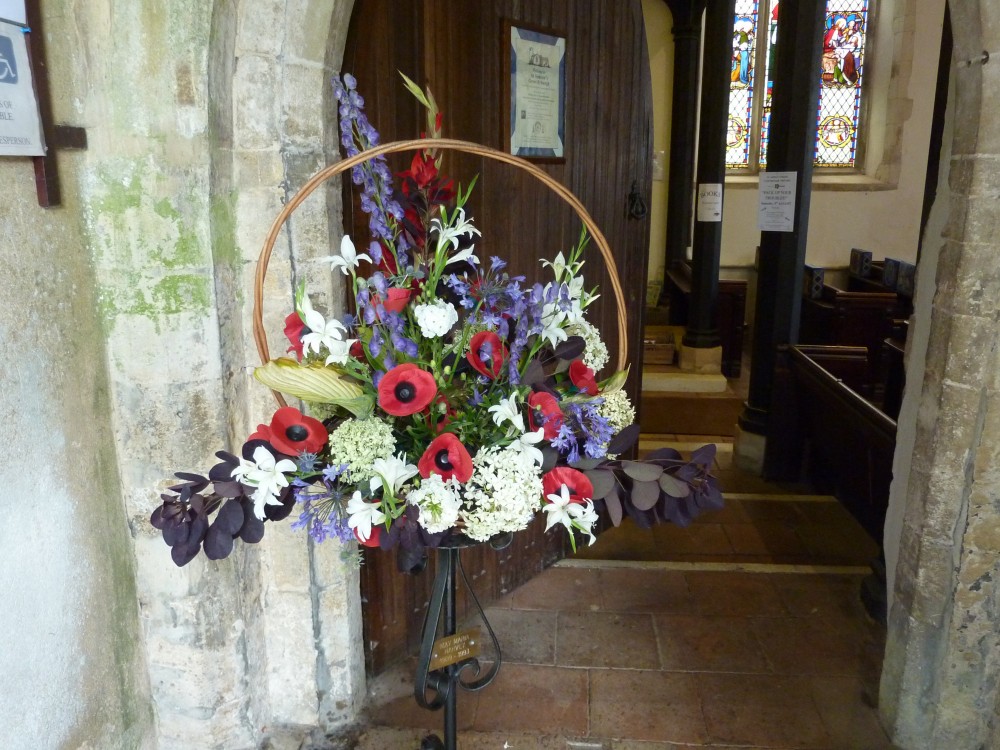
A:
(841, 80)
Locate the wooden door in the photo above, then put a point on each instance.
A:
(456, 49)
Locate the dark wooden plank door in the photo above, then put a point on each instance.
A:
(457, 49)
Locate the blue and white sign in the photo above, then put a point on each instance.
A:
(20, 124)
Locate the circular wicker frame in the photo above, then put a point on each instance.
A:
(259, 334)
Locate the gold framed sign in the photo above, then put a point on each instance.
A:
(534, 97)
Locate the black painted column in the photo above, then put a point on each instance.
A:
(791, 148)
(683, 121)
(701, 331)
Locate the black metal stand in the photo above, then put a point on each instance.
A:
(443, 683)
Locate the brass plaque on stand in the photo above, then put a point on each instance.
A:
(455, 648)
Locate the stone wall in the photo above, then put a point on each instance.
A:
(941, 679)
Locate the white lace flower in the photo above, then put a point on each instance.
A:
(595, 353)
(324, 333)
(358, 443)
(265, 474)
(363, 515)
(392, 473)
(435, 319)
(617, 409)
(439, 501)
(349, 258)
(502, 494)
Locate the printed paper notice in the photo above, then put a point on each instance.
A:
(710, 201)
(776, 209)
(20, 125)
(13, 10)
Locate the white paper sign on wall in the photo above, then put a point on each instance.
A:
(776, 207)
(20, 123)
(13, 10)
(709, 201)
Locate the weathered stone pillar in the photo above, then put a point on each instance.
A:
(941, 677)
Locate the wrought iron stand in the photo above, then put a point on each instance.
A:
(443, 683)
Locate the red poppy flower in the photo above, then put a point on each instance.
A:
(295, 329)
(544, 412)
(447, 457)
(580, 488)
(371, 541)
(357, 350)
(405, 390)
(291, 432)
(583, 377)
(487, 342)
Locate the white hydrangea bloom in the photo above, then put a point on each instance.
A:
(358, 444)
(439, 502)
(502, 494)
(435, 319)
(617, 409)
(595, 353)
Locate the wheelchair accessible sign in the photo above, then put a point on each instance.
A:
(20, 124)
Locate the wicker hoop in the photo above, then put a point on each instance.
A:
(467, 147)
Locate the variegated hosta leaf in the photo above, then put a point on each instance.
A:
(315, 383)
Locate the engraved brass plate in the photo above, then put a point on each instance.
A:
(455, 648)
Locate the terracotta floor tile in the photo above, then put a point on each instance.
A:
(761, 710)
(641, 705)
(731, 512)
(626, 542)
(772, 510)
(847, 715)
(764, 538)
(709, 644)
(604, 639)
(810, 646)
(526, 636)
(836, 543)
(632, 590)
(833, 597)
(392, 703)
(734, 594)
(558, 589)
(548, 700)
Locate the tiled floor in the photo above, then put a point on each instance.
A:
(743, 631)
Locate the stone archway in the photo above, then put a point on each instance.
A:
(941, 677)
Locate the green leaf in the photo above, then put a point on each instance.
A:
(315, 383)
(615, 383)
(642, 472)
(414, 89)
(673, 486)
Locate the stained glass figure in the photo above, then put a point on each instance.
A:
(741, 85)
(839, 107)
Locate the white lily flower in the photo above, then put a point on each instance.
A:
(457, 227)
(561, 509)
(392, 473)
(557, 264)
(363, 516)
(324, 333)
(349, 258)
(508, 411)
(525, 445)
(553, 323)
(265, 474)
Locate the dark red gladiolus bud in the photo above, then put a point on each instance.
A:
(583, 377)
(357, 350)
(497, 354)
(447, 457)
(544, 412)
(295, 329)
(405, 390)
(580, 487)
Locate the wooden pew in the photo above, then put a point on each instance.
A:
(730, 314)
(844, 318)
(823, 430)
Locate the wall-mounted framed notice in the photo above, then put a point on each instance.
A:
(20, 121)
(534, 92)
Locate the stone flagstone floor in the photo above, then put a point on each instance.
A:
(743, 631)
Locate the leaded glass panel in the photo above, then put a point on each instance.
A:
(741, 87)
(841, 80)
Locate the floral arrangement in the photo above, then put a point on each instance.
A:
(456, 399)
